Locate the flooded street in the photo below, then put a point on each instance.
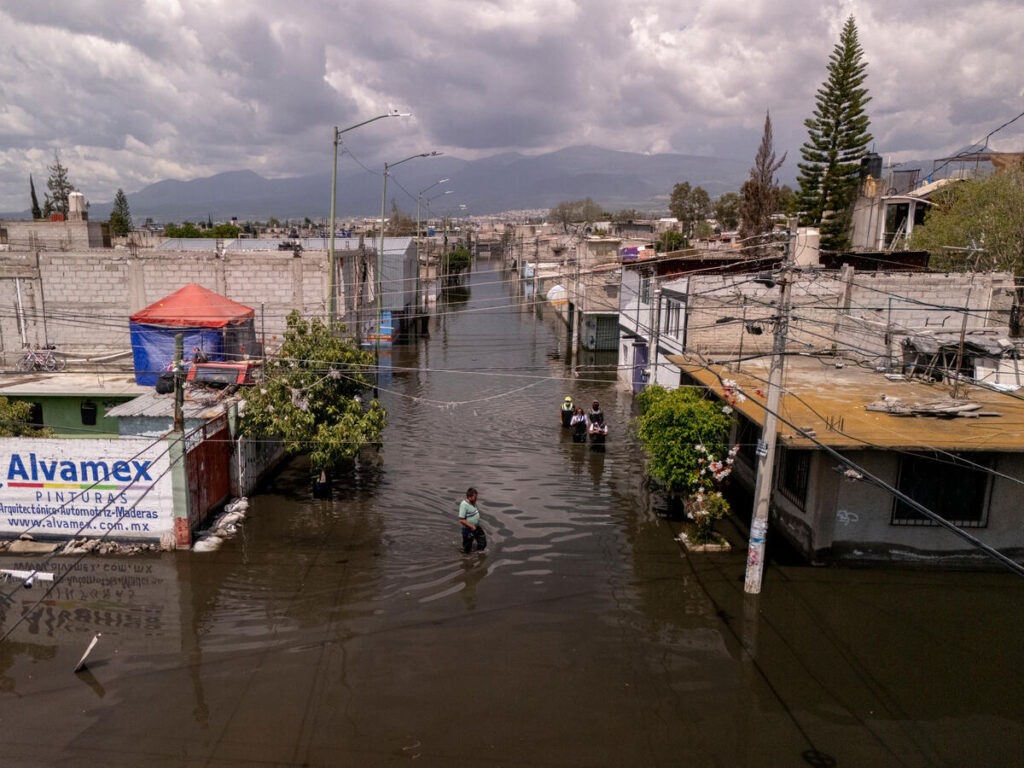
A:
(352, 631)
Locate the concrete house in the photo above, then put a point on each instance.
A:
(911, 435)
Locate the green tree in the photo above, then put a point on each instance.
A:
(37, 212)
(727, 211)
(671, 426)
(670, 241)
(222, 231)
(120, 216)
(56, 200)
(16, 420)
(308, 398)
(187, 229)
(458, 260)
(789, 203)
(838, 138)
(761, 191)
(685, 439)
(689, 205)
(985, 214)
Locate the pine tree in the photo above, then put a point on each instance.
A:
(120, 216)
(37, 212)
(838, 138)
(60, 188)
(761, 191)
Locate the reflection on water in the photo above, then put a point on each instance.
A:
(348, 630)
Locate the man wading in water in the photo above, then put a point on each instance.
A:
(469, 518)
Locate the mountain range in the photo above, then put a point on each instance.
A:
(503, 182)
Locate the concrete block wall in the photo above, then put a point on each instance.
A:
(80, 301)
(824, 316)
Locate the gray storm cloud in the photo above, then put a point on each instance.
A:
(133, 92)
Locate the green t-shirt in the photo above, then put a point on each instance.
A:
(469, 513)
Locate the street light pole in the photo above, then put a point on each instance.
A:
(419, 236)
(332, 300)
(380, 252)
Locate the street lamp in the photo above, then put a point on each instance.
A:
(419, 237)
(332, 302)
(380, 252)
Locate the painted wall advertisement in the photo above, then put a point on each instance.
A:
(73, 488)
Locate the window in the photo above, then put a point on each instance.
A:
(956, 492)
(645, 289)
(88, 411)
(35, 415)
(794, 471)
(671, 317)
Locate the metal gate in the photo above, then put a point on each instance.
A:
(639, 367)
(208, 462)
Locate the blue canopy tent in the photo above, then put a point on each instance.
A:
(221, 328)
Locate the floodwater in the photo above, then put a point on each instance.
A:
(352, 631)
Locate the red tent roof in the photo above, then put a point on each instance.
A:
(194, 306)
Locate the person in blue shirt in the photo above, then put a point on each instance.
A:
(469, 519)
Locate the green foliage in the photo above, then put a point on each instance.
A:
(188, 229)
(689, 205)
(120, 216)
(727, 211)
(14, 420)
(704, 513)
(223, 231)
(789, 203)
(308, 396)
(838, 138)
(576, 211)
(37, 212)
(761, 194)
(702, 229)
(673, 425)
(56, 200)
(982, 213)
(458, 260)
(670, 241)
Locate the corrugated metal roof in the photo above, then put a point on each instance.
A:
(199, 404)
(815, 390)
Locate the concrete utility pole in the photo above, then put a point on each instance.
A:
(766, 446)
(652, 359)
(179, 384)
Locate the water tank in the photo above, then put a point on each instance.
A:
(76, 206)
(871, 165)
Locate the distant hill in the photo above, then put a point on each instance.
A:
(507, 181)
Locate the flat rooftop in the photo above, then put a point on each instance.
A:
(70, 383)
(817, 394)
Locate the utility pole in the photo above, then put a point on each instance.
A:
(766, 446)
(179, 384)
(652, 359)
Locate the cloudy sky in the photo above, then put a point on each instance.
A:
(134, 91)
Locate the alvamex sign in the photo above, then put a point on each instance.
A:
(72, 472)
(67, 488)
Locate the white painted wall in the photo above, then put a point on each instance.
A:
(85, 487)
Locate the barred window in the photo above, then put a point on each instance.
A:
(957, 492)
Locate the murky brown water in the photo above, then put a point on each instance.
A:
(353, 631)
